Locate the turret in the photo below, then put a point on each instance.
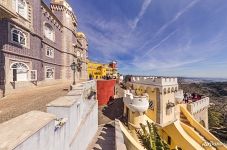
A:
(134, 109)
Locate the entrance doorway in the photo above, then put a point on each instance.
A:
(20, 71)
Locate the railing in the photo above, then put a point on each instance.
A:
(198, 105)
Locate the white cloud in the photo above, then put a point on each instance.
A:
(143, 9)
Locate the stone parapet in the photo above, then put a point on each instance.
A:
(198, 105)
(136, 103)
(71, 123)
(161, 81)
(119, 137)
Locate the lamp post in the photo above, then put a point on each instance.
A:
(74, 68)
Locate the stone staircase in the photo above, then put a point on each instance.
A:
(105, 138)
(185, 121)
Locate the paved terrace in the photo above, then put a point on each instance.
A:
(30, 99)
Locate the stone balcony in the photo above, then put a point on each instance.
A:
(136, 103)
(179, 96)
(199, 105)
(6, 9)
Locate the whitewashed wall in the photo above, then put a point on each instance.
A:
(80, 124)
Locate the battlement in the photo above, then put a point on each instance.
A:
(162, 81)
(198, 105)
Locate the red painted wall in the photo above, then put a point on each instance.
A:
(105, 90)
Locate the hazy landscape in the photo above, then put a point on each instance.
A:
(217, 91)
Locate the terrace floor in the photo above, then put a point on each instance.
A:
(30, 99)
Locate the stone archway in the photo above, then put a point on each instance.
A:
(20, 71)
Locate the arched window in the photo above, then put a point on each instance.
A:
(20, 71)
(49, 31)
(18, 36)
(49, 72)
(21, 8)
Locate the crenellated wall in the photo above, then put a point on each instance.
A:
(199, 110)
(162, 81)
(70, 124)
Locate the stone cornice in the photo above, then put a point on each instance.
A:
(57, 7)
(31, 57)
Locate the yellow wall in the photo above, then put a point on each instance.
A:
(151, 113)
(152, 92)
(170, 115)
(98, 70)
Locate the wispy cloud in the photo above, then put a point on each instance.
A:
(176, 41)
(143, 9)
(159, 43)
(174, 19)
(177, 16)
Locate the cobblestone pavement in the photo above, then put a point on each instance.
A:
(30, 99)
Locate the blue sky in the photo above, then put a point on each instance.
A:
(157, 37)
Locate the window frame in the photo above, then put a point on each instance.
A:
(53, 76)
(50, 27)
(48, 48)
(35, 72)
(19, 34)
(16, 5)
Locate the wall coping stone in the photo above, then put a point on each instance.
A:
(64, 101)
(17, 130)
(119, 138)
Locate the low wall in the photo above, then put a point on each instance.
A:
(70, 124)
(119, 138)
(198, 106)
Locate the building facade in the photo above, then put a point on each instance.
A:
(38, 44)
(181, 124)
(98, 70)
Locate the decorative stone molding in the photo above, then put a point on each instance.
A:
(50, 16)
(57, 7)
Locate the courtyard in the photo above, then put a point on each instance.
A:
(30, 99)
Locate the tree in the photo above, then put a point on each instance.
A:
(150, 138)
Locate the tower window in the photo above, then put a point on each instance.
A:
(21, 8)
(49, 31)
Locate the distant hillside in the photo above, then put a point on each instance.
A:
(201, 80)
(217, 91)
